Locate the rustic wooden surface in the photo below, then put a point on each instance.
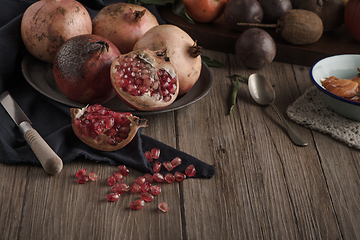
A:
(264, 186)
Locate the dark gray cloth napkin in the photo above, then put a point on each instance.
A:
(52, 119)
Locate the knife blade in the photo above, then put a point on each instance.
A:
(49, 160)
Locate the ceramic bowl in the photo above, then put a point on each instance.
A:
(340, 66)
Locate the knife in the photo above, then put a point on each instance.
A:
(49, 160)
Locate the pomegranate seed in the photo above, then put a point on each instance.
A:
(145, 187)
(158, 177)
(176, 162)
(157, 166)
(190, 171)
(136, 188)
(93, 176)
(148, 155)
(111, 180)
(83, 179)
(147, 197)
(179, 176)
(137, 204)
(168, 165)
(124, 186)
(112, 197)
(155, 190)
(140, 180)
(148, 177)
(117, 189)
(163, 206)
(123, 170)
(118, 176)
(169, 178)
(81, 172)
(155, 153)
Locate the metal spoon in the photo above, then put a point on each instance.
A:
(263, 93)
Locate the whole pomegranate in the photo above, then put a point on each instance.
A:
(145, 80)
(104, 129)
(352, 18)
(82, 68)
(182, 51)
(204, 11)
(123, 24)
(47, 24)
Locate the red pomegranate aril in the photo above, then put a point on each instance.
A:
(155, 153)
(158, 177)
(155, 190)
(145, 187)
(148, 177)
(148, 156)
(169, 178)
(118, 176)
(93, 176)
(123, 170)
(163, 206)
(117, 189)
(81, 172)
(179, 176)
(140, 180)
(136, 188)
(83, 179)
(157, 166)
(111, 180)
(176, 162)
(137, 204)
(147, 197)
(190, 171)
(112, 197)
(168, 165)
(124, 186)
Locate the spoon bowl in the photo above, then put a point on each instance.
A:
(263, 93)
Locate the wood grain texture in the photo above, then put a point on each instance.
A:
(264, 187)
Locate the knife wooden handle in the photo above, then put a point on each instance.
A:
(50, 161)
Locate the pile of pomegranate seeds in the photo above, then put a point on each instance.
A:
(98, 120)
(142, 184)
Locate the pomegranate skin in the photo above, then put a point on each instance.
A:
(82, 69)
(47, 24)
(123, 24)
(182, 51)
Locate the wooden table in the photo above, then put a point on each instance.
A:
(264, 186)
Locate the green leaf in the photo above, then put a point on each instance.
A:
(211, 62)
(179, 9)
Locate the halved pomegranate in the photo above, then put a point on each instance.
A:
(145, 80)
(104, 129)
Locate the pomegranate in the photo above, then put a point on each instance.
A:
(47, 24)
(82, 69)
(182, 51)
(104, 129)
(123, 24)
(352, 18)
(144, 80)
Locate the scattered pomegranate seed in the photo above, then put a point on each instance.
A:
(168, 165)
(124, 186)
(179, 176)
(190, 171)
(123, 170)
(137, 204)
(112, 197)
(93, 176)
(169, 178)
(163, 206)
(145, 187)
(155, 153)
(117, 189)
(140, 180)
(176, 162)
(148, 155)
(136, 188)
(83, 179)
(111, 180)
(157, 166)
(155, 190)
(118, 176)
(158, 177)
(148, 177)
(147, 197)
(81, 172)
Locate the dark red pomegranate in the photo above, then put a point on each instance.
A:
(123, 24)
(104, 129)
(145, 80)
(82, 69)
